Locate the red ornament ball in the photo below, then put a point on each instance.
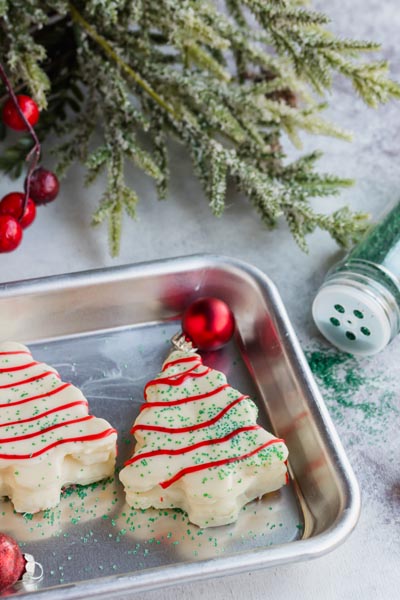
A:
(12, 563)
(13, 119)
(10, 233)
(44, 186)
(209, 323)
(12, 205)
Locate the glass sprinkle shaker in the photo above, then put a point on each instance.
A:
(357, 308)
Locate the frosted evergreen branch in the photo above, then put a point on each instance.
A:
(108, 49)
(114, 228)
(140, 157)
(369, 79)
(206, 61)
(160, 153)
(97, 162)
(80, 134)
(125, 76)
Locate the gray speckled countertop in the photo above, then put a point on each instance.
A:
(367, 565)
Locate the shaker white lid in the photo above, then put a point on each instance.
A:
(351, 319)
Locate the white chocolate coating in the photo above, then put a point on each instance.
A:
(199, 447)
(47, 438)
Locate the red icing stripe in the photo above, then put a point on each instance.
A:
(177, 379)
(35, 378)
(38, 397)
(189, 427)
(47, 412)
(287, 479)
(20, 367)
(184, 400)
(216, 463)
(171, 363)
(83, 438)
(15, 352)
(27, 436)
(176, 451)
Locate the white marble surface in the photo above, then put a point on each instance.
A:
(367, 565)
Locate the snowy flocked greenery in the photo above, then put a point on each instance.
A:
(227, 79)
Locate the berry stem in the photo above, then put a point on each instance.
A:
(34, 154)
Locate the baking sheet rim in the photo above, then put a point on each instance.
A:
(298, 550)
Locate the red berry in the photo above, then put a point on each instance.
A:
(12, 562)
(10, 233)
(12, 204)
(44, 186)
(13, 119)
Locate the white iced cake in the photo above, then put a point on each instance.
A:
(198, 446)
(48, 440)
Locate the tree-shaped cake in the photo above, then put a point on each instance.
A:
(47, 437)
(198, 446)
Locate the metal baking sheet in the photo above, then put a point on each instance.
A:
(108, 331)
